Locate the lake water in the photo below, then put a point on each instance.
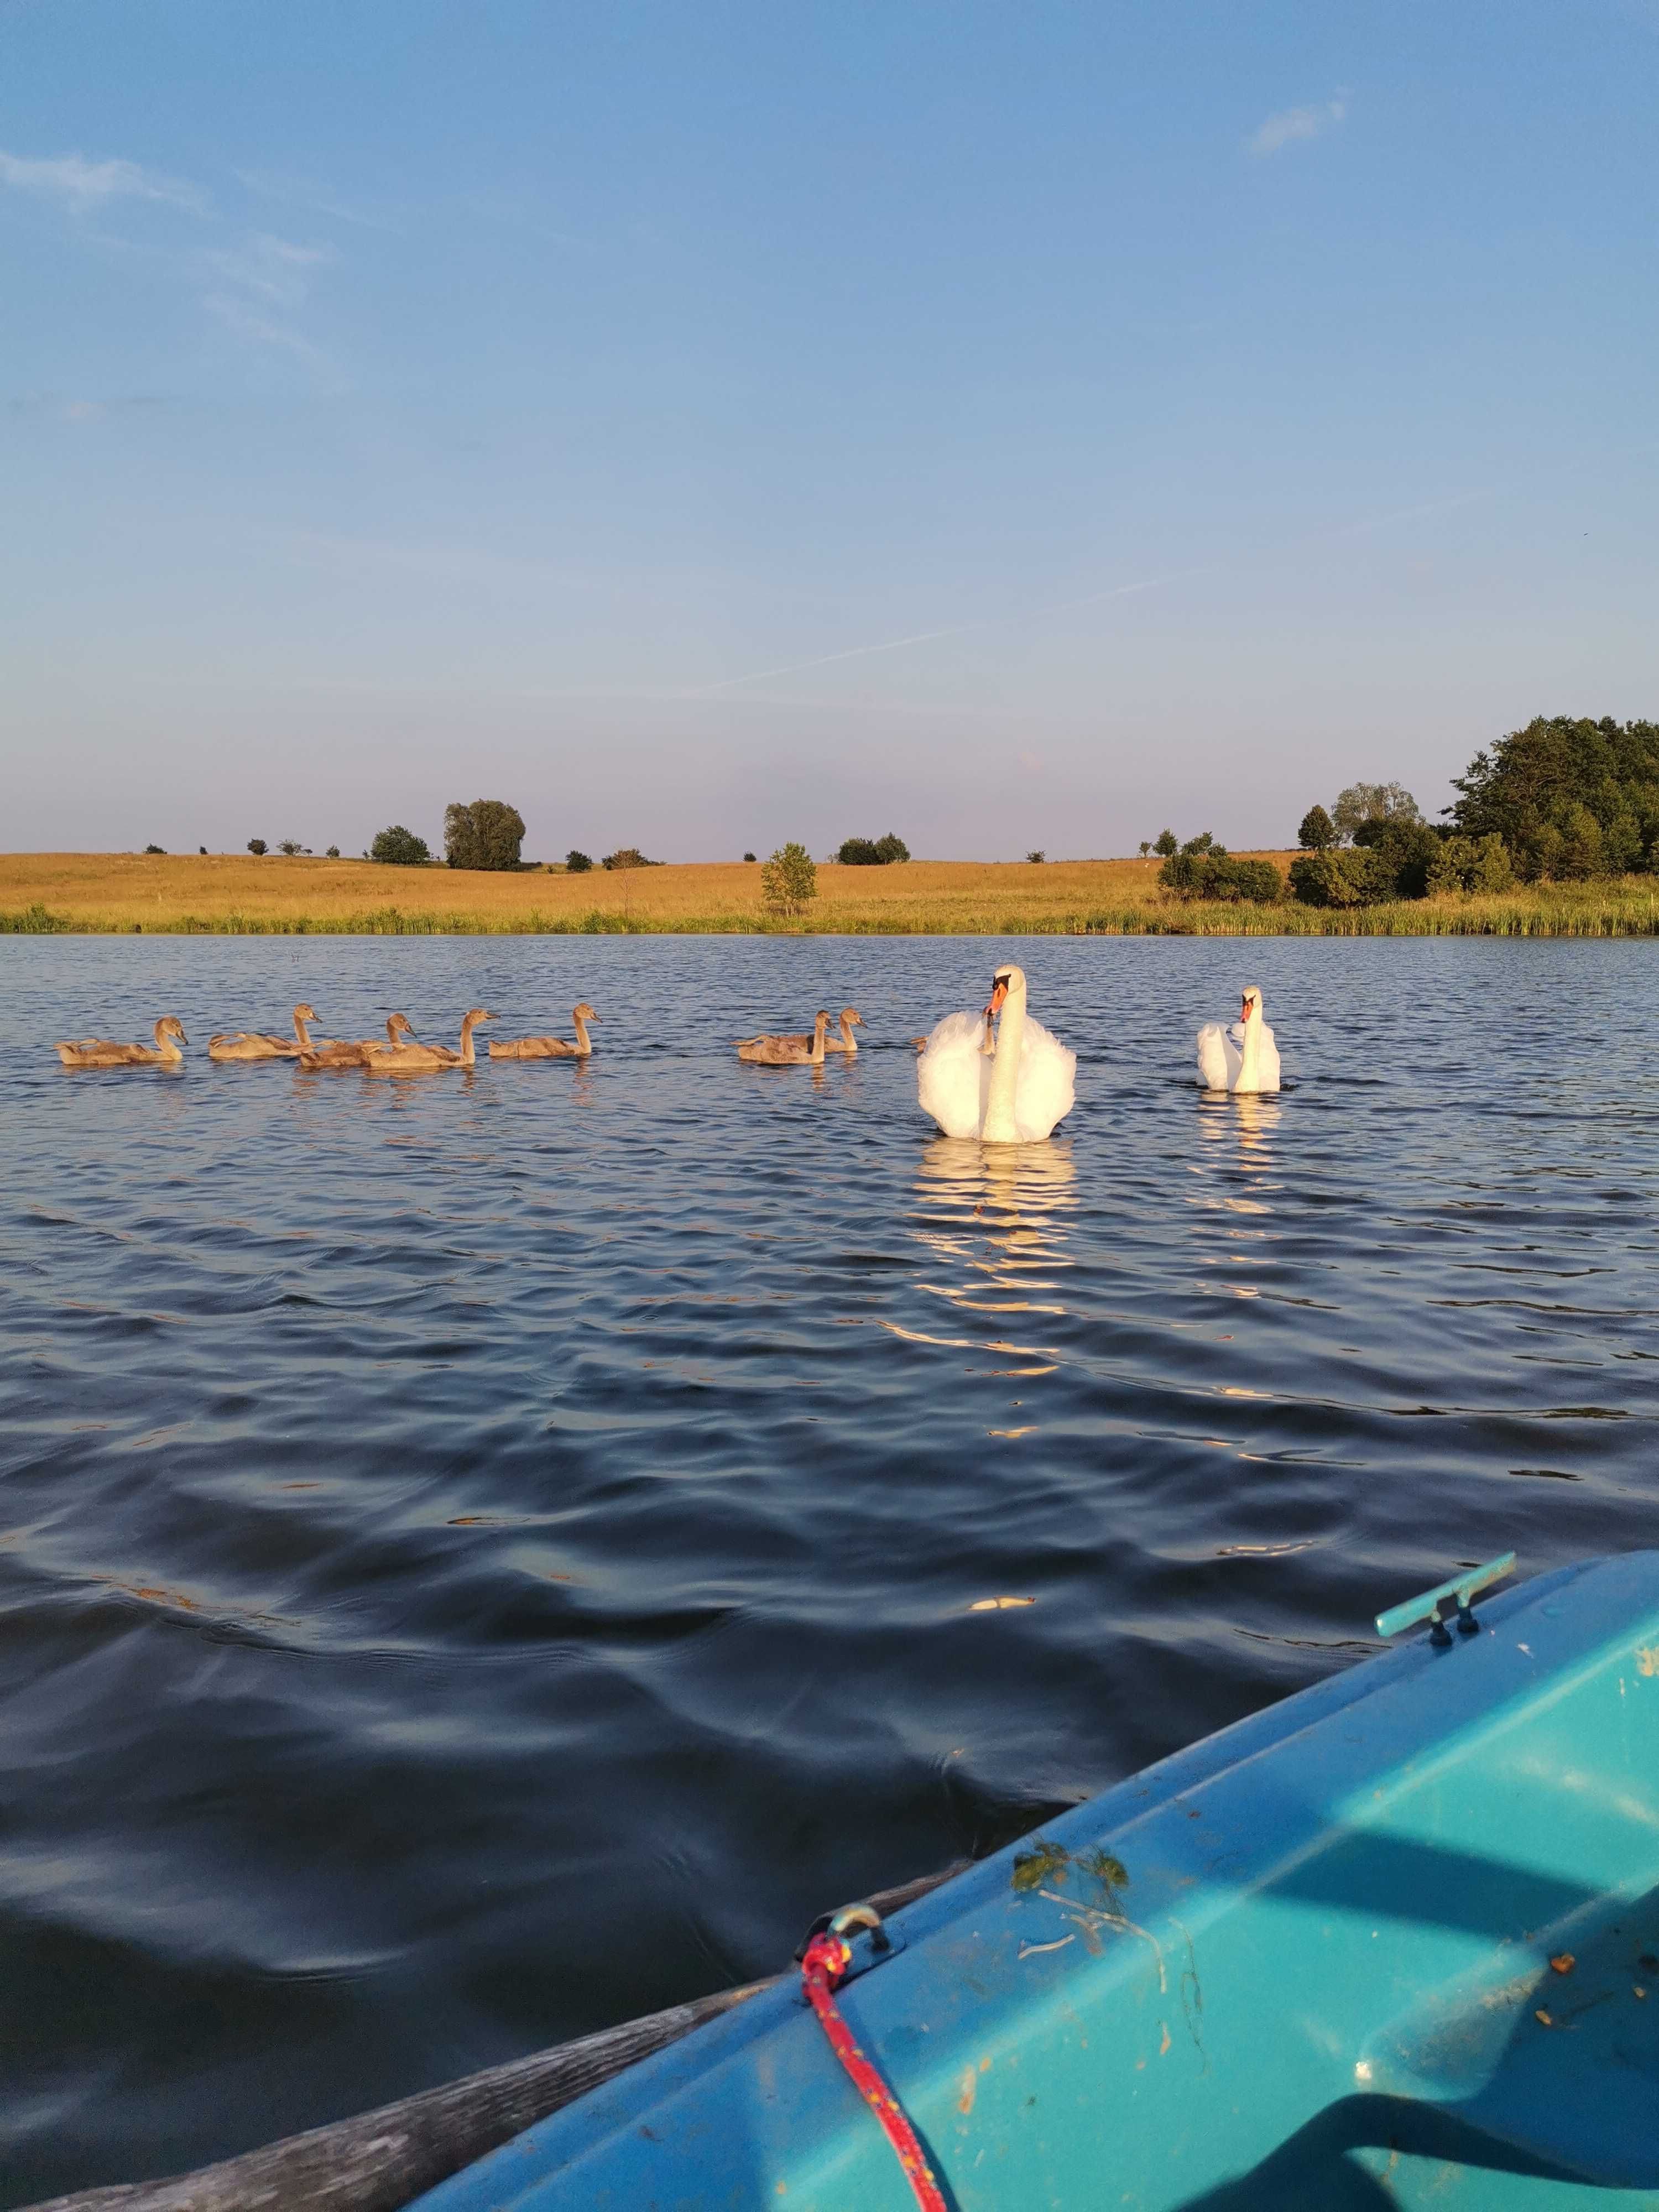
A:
(486, 1556)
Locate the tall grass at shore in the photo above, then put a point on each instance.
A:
(50, 894)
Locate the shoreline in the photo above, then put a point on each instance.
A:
(103, 894)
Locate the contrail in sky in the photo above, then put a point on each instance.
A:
(955, 630)
(1064, 606)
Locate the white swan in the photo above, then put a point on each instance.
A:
(1012, 1094)
(1241, 1058)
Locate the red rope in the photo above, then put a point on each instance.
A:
(824, 1962)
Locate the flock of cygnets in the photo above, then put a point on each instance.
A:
(400, 1052)
(1010, 1082)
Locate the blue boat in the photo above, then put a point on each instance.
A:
(1394, 1943)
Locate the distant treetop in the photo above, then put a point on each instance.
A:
(399, 848)
(489, 834)
(1372, 802)
(872, 851)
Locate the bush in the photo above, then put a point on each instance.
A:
(872, 851)
(1408, 849)
(1164, 842)
(628, 856)
(257, 847)
(156, 848)
(333, 854)
(1145, 846)
(1360, 878)
(488, 835)
(788, 880)
(1471, 864)
(1209, 872)
(1317, 832)
(1037, 857)
(748, 856)
(399, 848)
(288, 847)
(577, 864)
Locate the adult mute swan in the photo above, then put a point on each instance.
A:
(104, 1052)
(550, 1048)
(1241, 1058)
(786, 1051)
(1014, 1096)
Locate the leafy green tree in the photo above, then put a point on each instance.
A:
(872, 852)
(577, 864)
(1037, 858)
(748, 856)
(257, 847)
(1406, 849)
(1317, 832)
(288, 847)
(1372, 802)
(1204, 842)
(788, 880)
(398, 847)
(156, 848)
(1525, 789)
(333, 854)
(627, 856)
(1471, 864)
(489, 834)
(1145, 846)
(1582, 852)
(1165, 843)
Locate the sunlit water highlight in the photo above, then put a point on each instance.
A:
(486, 1556)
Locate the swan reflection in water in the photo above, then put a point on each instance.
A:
(1240, 1152)
(993, 1220)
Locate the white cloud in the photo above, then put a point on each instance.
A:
(79, 184)
(1292, 122)
(248, 323)
(317, 198)
(272, 268)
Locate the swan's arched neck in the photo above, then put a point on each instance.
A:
(999, 1126)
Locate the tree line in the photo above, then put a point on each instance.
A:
(1565, 799)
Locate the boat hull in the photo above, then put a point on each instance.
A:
(1302, 1967)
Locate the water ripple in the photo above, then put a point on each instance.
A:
(483, 1558)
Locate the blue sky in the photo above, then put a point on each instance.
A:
(704, 425)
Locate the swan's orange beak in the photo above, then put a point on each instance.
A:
(1244, 1010)
(999, 992)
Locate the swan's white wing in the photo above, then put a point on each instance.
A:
(1266, 1061)
(1219, 1058)
(953, 1077)
(1046, 1091)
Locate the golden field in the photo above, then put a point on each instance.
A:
(236, 895)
